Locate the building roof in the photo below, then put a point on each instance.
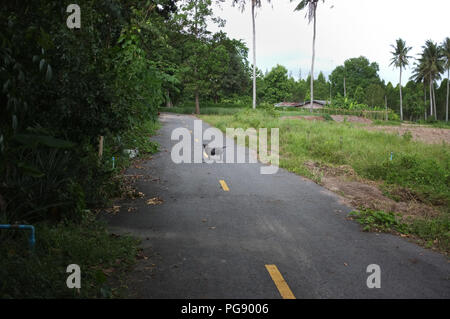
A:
(320, 102)
(289, 104)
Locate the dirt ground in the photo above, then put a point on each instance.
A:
(358, 192)
(351, 118)
(424, 134)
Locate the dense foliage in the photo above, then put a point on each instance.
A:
(64, 88)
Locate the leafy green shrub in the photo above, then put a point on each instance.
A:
(407, 136)
(37, 182)
(433, 231)
(384, 123)
(379, 221)
(42, 273)
(269, 109)
(392, 116)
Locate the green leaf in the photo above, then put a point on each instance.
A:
(55, 142)
(30, 170)
(33, 140)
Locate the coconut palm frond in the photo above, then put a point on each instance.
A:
(445, 51)
(400, 57)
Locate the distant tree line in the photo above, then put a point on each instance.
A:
(356, 79)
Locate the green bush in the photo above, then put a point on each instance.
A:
(41, 273)
(379, 221)
(434, 232)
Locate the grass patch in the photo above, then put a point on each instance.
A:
(387, 123)
(379, 221)
(206, 108)
(295, 112)
(432, 232)
(102, 257)
(42, 273)
(433, 123)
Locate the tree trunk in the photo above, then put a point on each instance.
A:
(425, 99)
(446, 103)
(197, 104)
(254, 53)
(312, 63)
(401, 98)
(431, 100)
(330, 92)
(434, 103)
(100, 148)
(345, 91)
(168, 101)
(385, 104)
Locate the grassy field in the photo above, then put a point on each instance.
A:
(422, 169)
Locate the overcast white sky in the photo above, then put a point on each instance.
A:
(350, 28)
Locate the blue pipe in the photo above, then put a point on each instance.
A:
(32, 239)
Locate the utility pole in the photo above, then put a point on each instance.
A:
(345, 91)
(330, 91)
(385, 103)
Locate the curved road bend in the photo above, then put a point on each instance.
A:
(205, 242)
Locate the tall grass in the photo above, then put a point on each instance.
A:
(203, 110)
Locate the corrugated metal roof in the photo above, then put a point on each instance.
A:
(291, 104)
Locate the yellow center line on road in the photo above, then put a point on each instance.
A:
(279, 281)
(224, 185)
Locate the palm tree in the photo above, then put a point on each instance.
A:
(432, 64)
(241, 5)
(311, 14)
(446, 54)
(400, 60)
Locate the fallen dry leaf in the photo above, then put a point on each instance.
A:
(140, 255)
(108, 271)
(155, 201)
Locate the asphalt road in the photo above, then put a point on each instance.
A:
(204, 242)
